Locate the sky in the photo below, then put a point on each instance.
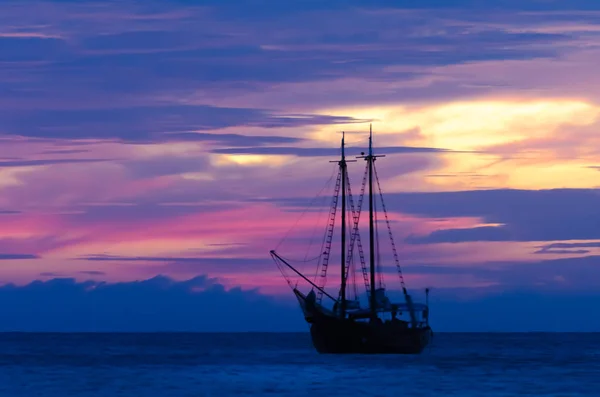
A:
(153, 153)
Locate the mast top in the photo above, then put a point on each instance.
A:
(370, 139)
(370, 156)
(342, 161)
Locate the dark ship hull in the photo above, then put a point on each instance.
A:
(335, 335)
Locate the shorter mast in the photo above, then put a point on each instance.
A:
(343, 164)
(343, 170)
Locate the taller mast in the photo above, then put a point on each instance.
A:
(343, 170)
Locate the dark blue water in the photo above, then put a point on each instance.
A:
(286, 365)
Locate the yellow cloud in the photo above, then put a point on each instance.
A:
(10, 177)
(470, 125)
(480, 125)
(197, 176)
(250, 160)
(143, 150)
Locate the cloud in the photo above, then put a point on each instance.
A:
(65, 151)
(201, 304)
(228, 139)
(30, 234)
(50, 274)
(520, 215)
(9, 257)
(222, 265)
(503, 214)
(34, 163)
(105, 257)
(222, 52)
(9, 212)
(157, 166)
(142, 41)
(31, 48)
(566, 248)
(157, 123)
(484, 233)
(157, 304)
(92, 272)
(315, 152)
(551, 275)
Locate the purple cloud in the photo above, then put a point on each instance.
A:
(193, 264)
(152, 52)
(157, 124)
(522, 215)
(33, 163)
(525, 215)
(8, 257)
(566, 248)
(9, 212)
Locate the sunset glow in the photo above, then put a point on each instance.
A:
(138, 142)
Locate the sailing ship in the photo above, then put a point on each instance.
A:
(344, 325)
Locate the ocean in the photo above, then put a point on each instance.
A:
(270, 364)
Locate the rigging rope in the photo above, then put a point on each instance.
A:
(380, 282)
(314, 228)
(355, 237)
(354, 284)
(283, 272)
(299, 260)
(387, 221)
(329, 238)
(324, 239)
(305, 210)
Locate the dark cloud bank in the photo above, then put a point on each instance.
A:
(201, 304)
(157, 304)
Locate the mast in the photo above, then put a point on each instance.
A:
(370, 159)
(343, 170)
